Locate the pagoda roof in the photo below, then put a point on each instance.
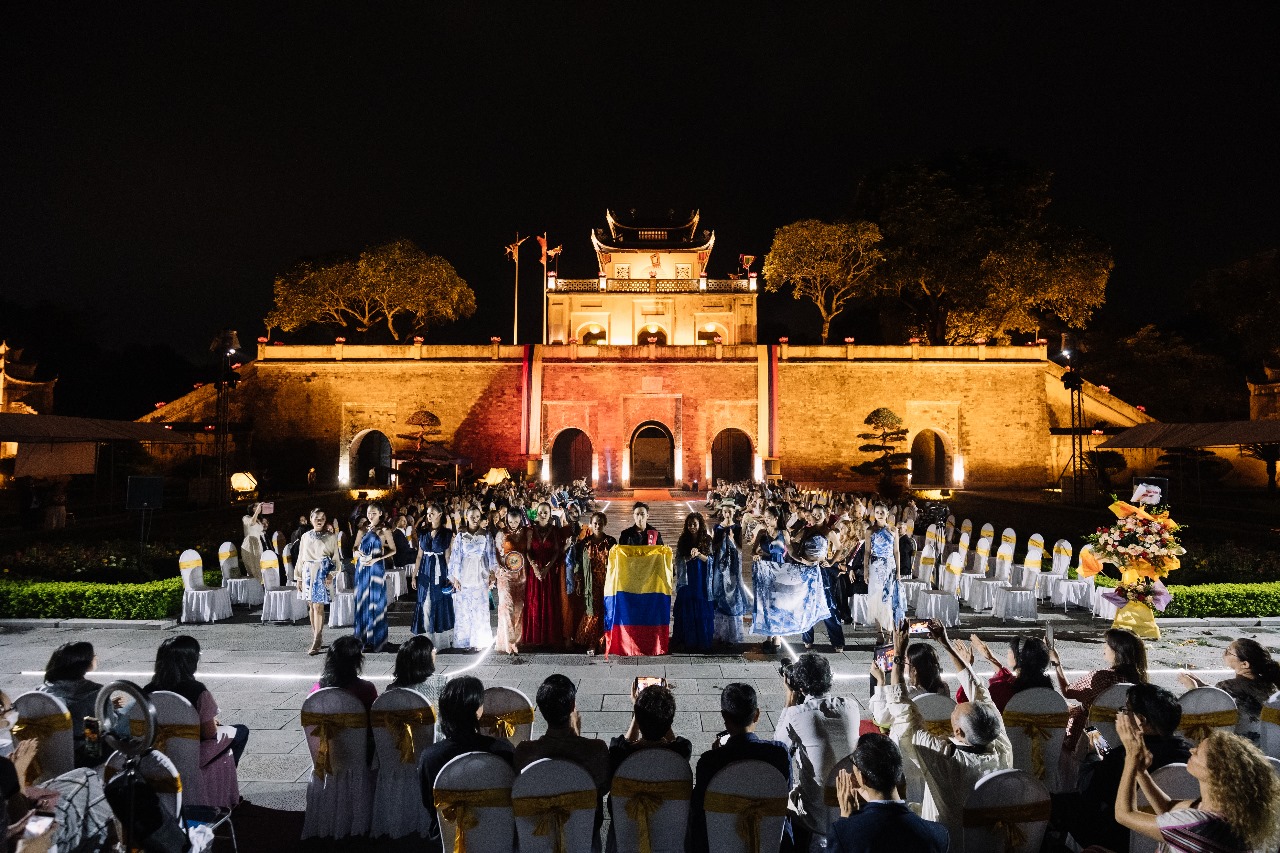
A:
(634, 233)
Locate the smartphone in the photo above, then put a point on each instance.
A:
(37, 825)
(92, 728)
(884, 657)
(919, 628)
(1048, 635)
(643, 681)
(1098, 742)
(268, 507)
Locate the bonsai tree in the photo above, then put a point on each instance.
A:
(1105, 464)
(885, 440)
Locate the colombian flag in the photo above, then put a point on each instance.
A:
(637, 600)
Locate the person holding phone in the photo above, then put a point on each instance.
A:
(650, 728)
(253, 544)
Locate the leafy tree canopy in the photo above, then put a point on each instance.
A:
(1242, 301)
(397, 285)
(889, 462)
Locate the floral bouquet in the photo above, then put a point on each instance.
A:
(1143, 539)
(1143, 591)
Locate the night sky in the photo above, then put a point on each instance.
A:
(162, 163)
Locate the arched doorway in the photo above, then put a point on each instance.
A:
(929, 460)
(652, 331)
(570, 457)
(370, 451)
(653, 456)
(730, 457)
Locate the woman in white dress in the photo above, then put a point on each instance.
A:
(318, 558)
(251, 547)
(473, 558)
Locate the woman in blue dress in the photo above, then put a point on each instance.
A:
(786, 581)
(694, 610)
(434, 612)
(373, 556)
(886, 604)
(726, 578)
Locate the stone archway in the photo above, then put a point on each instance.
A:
(929, 460)
(731, 457)
(570, 457)
(653, 456)
(652, 331)
(370, 451)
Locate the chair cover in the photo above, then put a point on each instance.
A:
(46, 719)
(911, 526)
(1029, 574)
(988, 531)
(1009, 603)
(949, 580)
(966, 526)
(242, 590)
(1269, 729)
(962, 548)
(342, 609)
(1035, 541)
(928, 562)
(1176, 783)
(1004, 563)
(159, 771)
(1008, 812)
(1205, 709)
(1102, 713)
(935, 712)
(981, 564)
(403, 726)
(858, 607)
(1008, 537)
(208, 782)
(745, 806)
(279, 603)
(830, 795)
(1061, 557)
(474, 791)
(935, 604)
(949, 531)
(1036, 720)
(650, 798)
(199, 603)
(1103, 608)
(554, 803)
(508, 713)
(340, 583)
(340, 792)
(395, 583)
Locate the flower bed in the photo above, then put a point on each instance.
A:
(160, 599)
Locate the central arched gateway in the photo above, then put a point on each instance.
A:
(570, 457)
(929, 460)
(370, 456)
(730, 457)
(653, 456)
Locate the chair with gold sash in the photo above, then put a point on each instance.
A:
(650, 802)
(981, 562)
(554, 803)
(403, 726)
(1036, 721)
(1205, 709)
(1102, 713)
(1050, 587)
(241, 589)
(279, 603)
(745, 806)
(508, 713)
(1004, 563)
(46, 720)
(1269, 729)
(1007, 812)
(159, 771)
(473, 801)
(199, 602)
(935, 715)
(949, 579)
(830, 796)
(1177, 784)
(340, 792)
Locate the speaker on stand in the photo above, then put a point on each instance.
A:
(145, 495)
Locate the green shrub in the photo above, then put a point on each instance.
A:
(1228, 562)
(1224, 599)
(75, 600)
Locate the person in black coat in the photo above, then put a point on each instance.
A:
(883, 824)
(640, 533)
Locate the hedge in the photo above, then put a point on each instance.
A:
(1224, 599)
(77, 600)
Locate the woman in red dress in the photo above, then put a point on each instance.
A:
(544, 592)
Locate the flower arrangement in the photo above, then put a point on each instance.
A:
(1143, 537)
(1143, 590)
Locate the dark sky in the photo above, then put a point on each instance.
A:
(161, 163)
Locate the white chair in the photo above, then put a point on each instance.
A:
(966, 526)
(1028, 575)
(962, 548)
(1269, 729)
(1004, 563)
(928, 562)
(396, 583)
(949, 580)
(508, 713)
(1205, 709)
(935, 604)
(536, 784)
(1102, 713)
(474, 790)
(949, 531)
(242, 590)
(403, 726)
(1176, 783)
(1078, 592)
(1008, 812)
(988, 531)
(279, 603)
(935, 714)
(981, 563)
(1008, 537)
(746, 801)
(342, 607)
(46, 719)
(662, 783)
(910, 589)
(1057, 575)
(199, 603)
(1036, 720)
(340, 792)
(1011, 603)
(161, 774)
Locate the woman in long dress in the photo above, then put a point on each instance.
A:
(434, 611)
(545, 586)
(373, 556)
(318, 558)
(511, 576)
(474, 558)
(694, 608)
(590, 570)
(251, 547)
(726, 578)
(886, 604)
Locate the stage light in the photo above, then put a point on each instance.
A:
(243, 481)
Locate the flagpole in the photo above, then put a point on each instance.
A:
(546, 265)
(515, 314)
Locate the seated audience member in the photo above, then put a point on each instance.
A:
(651, 719)
(176, 662)
(923, 675)
(1126, 659)
(1090, 814)
(342, 666)
(738, 742)
(883, 824)
(818, 730)
(1256, 679)
(461, 705)
(558, 704)
(416, 667)
(64, 677)
(1025, 666)
(950, 766)
(1239, 803)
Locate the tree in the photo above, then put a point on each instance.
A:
(1105, 463)
(970, 250)
(384, 285)
(1241, 302)
(889, 465)
(827, 263)
(1270, 455)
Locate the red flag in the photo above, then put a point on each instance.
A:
(542, 241)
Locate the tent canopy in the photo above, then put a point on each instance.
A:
(58, 429)
(1220, 434)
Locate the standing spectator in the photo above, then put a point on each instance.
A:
(884, 824)
(253, 544)
(64, 677)
(342, 668)
(651, 719)
(1256, 679)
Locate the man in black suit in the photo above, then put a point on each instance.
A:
(738, 742)
(883, 824)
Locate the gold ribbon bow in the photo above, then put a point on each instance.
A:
(750, 811)
(327, 727)
(553, 813)
(1006, 820)
(164, 734)
(1270, 715)
(938, 728)
(400, 724)
(1197, 727)
(645, 798)
(185, 565)
(1037, 729)
(162, 784)
(39, 727)
(504, 725)
(458, 807)
(1005, 539)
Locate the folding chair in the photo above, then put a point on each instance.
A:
(199, 603)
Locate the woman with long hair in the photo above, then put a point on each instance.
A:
(416, 669)
(727, 594)
(511, 541)
(1126, 658)
(342, 667)
(64, 677)
(435, 586)
(318, 558)
(545, 585)
(1256, 678)
(694, 608)
(373, 558)
(768, 549)
(253, 541)
(923, 674)
(474, 558)
(886, 603)
(221, 746)
(1238, 805)
(1025, 666)
(590, 571)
